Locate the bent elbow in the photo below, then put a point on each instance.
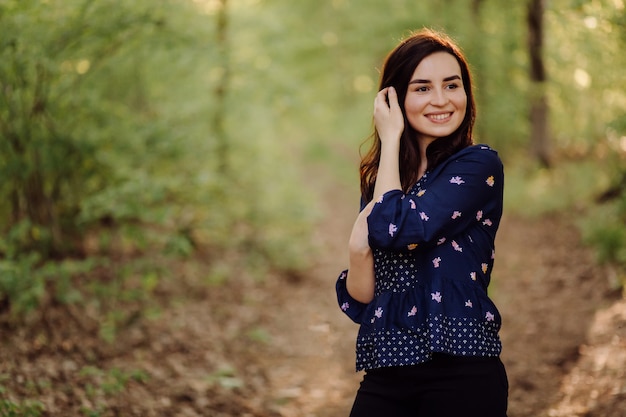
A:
(359, 293)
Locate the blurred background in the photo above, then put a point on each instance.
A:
(143, 139)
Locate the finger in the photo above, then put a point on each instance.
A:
(386, 98)
(381, 96)
(392, 96)
(380, 102)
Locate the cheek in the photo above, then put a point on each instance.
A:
(412, 106)
(462, 103)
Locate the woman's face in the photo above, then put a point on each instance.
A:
(435, 102)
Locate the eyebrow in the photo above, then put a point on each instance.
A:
(452, 77)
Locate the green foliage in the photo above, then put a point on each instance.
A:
(11, 408)
(259, 335)
(25, 409)
(53, 112)
(572, 187)
(226, 377)
(587, 91)
(109, 382)
(106, 131)
(587, 191)
(604, 228)
(134, 128)
(65, 131)
(24, 277)
(609, 238)
(101, 385)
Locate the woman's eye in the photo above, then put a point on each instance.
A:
(453, 86)
(422, 89)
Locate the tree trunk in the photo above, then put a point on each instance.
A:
(478, 60)
(476, 7)
(540, 137)
(221, 89)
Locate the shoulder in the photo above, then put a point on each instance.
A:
(480, 151)
(481, 154)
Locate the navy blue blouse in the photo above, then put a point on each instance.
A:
(433, 255)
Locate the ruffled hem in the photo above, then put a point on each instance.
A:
(439, 334)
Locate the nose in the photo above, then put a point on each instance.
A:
(439, 97)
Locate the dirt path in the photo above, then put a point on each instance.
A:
(282, 348)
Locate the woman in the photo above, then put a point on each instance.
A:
(422, 248)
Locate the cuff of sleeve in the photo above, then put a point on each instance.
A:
(351, 307)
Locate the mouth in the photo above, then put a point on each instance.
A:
(439, 117)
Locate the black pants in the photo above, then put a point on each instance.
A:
(446, 386)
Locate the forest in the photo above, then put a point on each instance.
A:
(180, 177)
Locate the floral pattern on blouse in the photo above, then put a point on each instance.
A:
(433, 255)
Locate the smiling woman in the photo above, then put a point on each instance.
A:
(422, 249)
(435, 104)
(411, 62)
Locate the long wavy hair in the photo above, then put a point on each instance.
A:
(398, 69)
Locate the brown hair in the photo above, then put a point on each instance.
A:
(397, 71)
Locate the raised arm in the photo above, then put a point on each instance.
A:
(389, 123)
(467, 189)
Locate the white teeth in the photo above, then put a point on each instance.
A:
(440, 116)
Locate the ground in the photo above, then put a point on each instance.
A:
(282, 348)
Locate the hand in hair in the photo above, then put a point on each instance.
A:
(388, 117)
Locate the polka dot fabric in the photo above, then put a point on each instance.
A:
(433, 255)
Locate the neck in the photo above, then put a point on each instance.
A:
(423, 143)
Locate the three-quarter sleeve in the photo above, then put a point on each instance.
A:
(464, 190)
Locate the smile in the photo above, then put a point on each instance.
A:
(439, 117)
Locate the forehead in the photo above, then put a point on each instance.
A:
(437, 66)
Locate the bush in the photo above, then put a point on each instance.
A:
(107, 145)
